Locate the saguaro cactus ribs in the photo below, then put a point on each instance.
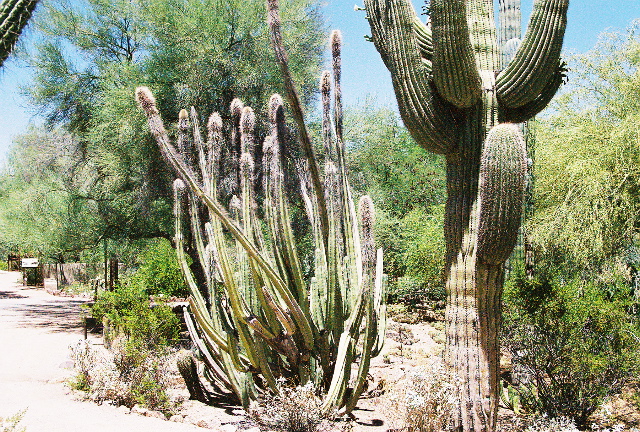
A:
(458, 98)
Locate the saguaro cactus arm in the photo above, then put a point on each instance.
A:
(430, 119)
(530, 109)
(14, 15)
(454, 67)
(537, 60)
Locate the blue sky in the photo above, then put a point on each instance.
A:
(363, 71)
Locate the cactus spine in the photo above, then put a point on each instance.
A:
(458, 98)
(14, 15)
(263, 314)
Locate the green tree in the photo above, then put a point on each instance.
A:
(384, 162)
(45, 207)
(90, 55)
(408, 184)
(587, 196)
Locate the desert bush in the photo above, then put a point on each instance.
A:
(158, 271)
(426, 401)
(546, 424)
(12, 423)
(575, 346)
(296, 409)
(414, 251)
(126, 375)
(128, 310)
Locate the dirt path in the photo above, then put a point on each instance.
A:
(36, 330)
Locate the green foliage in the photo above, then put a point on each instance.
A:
(129, 311)
(408, 185)
(159, 271)
(587, 205)
(385, 162)
(575, 347)
(143, 334)
(43, 210)
(414, 255)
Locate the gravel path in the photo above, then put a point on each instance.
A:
(36, 330)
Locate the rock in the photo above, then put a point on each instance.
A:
(156, 414)
(253, 429)
(124, 409)
(177, 418)
(229, 427)
(137, 409)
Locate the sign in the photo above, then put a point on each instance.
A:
(30, 262)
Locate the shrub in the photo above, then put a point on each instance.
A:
(414, 255)
(126, 375)
(134, 372)
(296, 409)
(129, 311)
(426, 400)
(576, 347)
(159, 272)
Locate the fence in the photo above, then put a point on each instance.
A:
(68, 273)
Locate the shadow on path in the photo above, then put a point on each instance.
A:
(56, 316)
(10, 295)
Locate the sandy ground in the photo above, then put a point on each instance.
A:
(36, 330)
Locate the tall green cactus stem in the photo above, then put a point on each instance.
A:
(14, 15)
(265, 316)
(510, 29)
(456, 99)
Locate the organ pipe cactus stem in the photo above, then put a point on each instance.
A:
(458, 95)
(267, 318)
(14, 15)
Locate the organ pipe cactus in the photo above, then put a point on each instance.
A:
(14, 15)
(458, 100)
(265, 312)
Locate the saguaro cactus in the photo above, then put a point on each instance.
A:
(268, 314)
(14, 15)
(456, 99)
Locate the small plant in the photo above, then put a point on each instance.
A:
(546, 424)
(12, 423)
(575, 347)
(127, 375)
(428, 400)
(159, 272)
(129, 311)
(296, 409)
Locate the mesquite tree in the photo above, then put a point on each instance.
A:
(456, 99)
(14, 15)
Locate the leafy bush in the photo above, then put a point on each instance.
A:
(129, 311)
(159, 271)
(126, 375)
(414, 255)
(575, 346)
(134, 372)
